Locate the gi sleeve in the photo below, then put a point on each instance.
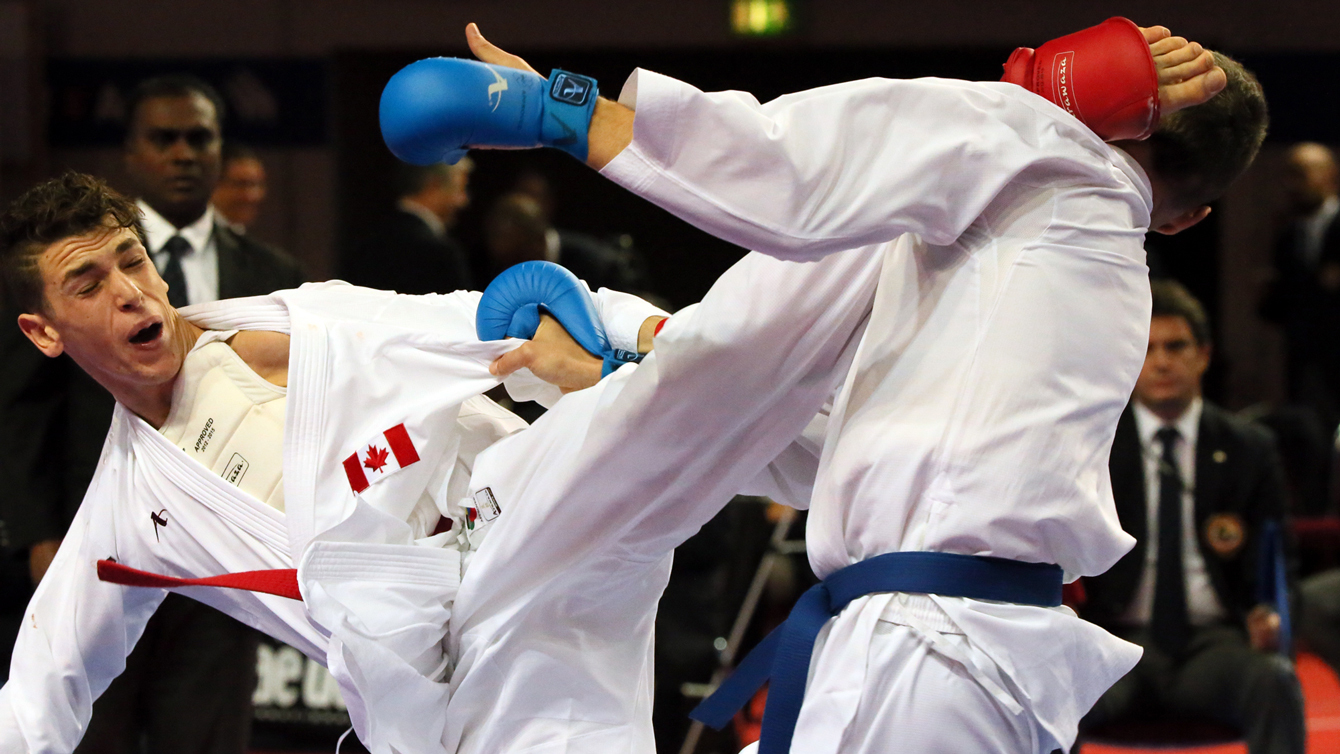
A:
(730, 385)
(76, 634)
(840, 166)
(622, 314)
(789, 478)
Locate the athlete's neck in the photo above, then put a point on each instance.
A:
(153, 401)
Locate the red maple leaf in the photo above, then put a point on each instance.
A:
(376, 458)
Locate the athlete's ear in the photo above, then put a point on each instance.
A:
(1183, 221)
(42, 334)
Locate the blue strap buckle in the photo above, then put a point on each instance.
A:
(617, 358)
(568, 107)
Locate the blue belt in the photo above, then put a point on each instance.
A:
(784, 656)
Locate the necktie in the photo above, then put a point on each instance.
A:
(1169, 625)
(173, 274)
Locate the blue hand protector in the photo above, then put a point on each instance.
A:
(434, 109)
(511, 305)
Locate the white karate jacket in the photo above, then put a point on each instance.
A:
(377, 589)
(1008, 326)
(552, 629)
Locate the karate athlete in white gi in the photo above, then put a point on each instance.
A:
(330, 428)
(989, 327)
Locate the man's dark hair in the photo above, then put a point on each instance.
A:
(170, 86)
(515, 215)
(1172, 299)
(69, 206)
(1200, 150)
(234, 150)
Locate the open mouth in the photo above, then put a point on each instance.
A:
(147, 334)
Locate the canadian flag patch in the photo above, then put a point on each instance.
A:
(380, 457)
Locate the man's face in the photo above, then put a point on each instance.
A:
(458, 189)
(107, 307)
(241, 190)
(1310, 177)
(172, 155)
(1174, 365)
(447, 195)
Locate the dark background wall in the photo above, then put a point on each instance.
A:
(324, 187)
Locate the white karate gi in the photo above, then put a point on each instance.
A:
(1009, 325)
(552, 628)
(377, 588)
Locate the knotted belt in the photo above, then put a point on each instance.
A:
(784, 656)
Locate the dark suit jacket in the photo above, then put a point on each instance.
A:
(1238, 481)
(402, 254)
(600, 264)
(54, 417)
(1309, 316)
(250, 268)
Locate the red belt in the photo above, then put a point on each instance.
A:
(282, 582)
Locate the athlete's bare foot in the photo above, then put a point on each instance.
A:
(1187, 73)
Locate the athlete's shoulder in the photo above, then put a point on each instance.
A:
(266, 352)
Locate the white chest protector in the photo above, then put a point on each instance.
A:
(230, 419)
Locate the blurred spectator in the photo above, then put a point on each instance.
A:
(1304, 295)
(173, 158)
(1319, 595)
(187, 686)
(1195, 486)
(1319, 622)
(517, 229)
(410, 250)
(241, 188)
(50, 414)
(1305, 450)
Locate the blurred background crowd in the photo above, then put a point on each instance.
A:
(248, 132)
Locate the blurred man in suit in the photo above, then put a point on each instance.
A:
(517, 229)
(1304, 296)
(187, 687)
(242, 187)
(1196, 487)
(410, 250)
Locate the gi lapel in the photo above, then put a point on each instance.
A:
(209, 489)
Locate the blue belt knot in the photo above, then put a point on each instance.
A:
(784, 656)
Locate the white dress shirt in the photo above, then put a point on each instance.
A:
(1202, 603)
(200, 265)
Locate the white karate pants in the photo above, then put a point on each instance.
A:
(906, 690)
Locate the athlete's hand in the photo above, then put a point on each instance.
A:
(1187, 73)
(611, 124)
(553, 356)
(487, 52)
(1263, 628)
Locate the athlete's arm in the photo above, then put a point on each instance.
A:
(75, 636)
(1187, 76)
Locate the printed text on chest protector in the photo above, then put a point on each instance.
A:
(206, 435)
(235, 470)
